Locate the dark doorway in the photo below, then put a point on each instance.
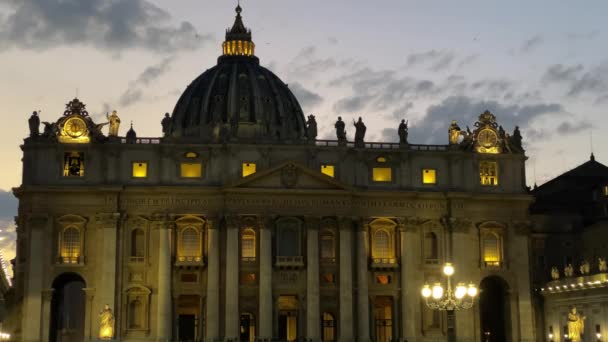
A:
(494, 311)
(288, 326)
(247, 330)
(186, 328)
(67, 309)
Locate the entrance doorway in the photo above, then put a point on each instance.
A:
(188, 311)
(67, 309)
(494, 310)
(383, 318)
(288, 318)
(247, 330)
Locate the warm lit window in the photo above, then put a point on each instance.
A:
(73, 164)
(70, 245)
(137, 245)
(382, 174)
(328, 250)
(488, 173)
(491, 249)
(189, 247)
(430, 248)
(382, 245)
(248, 245)
(191, 155)
(191, 170)
(328, 170)
(140, 170)
(429, 176)
(329, 327)
(605, 190)
(381, 160)
(248, 169)
(383, 318)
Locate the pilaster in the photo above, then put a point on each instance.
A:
(346, 281)
(107, 224)
(32, 309)
(410, 278)
(313, 315)
(164, 315)
(232, 279)
(266, 302)
(363, 333)
(90, 329)
(47, 297)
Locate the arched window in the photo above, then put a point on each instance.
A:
(190, 245)
(328, 247)
(382, 248)
(491, 249)
(247, 330)
(137, 299)
(70, 245)
(137, 245)
(329, 327)
(248, 245)
(431, 252)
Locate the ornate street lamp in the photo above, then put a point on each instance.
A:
(449, 300)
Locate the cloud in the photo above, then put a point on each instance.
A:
(580, 81)
(332, 41)
(351, 104)
(112, 25)
(134, 92)
(582, 36)
(562, 73)
(532, 43)
(573, 128)
(306, 98)
(470, 59)
(8, 205)
(432, 129)
(437, 60)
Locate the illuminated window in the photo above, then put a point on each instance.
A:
(189, 248)
(382, 245)
(137, 245)
(490, 244)
(429, 176)
(328, 170)
(248, 169)
(606, 190)
(328, 249)
(70, 245)
(383, 318)
(247, 327)
(381, 160)
(140, 170)
(430, 248)
(329, 327)
(488, 173)
(191, 155)
(248, 245)
(191, 170)
(382, 174)
(73, 164)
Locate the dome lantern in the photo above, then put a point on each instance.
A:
(238, 38)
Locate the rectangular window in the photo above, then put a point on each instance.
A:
(191, 170)
(491, 249)
(488, 173)
(382, 174)
(606, 190)
(248, 169)
(328, 170)
(140, 170)
(429, 176)
(73, 164)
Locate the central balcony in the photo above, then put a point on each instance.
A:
(289, 262)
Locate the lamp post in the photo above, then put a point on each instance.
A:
(437, 298)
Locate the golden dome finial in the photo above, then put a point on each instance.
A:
(238, 38)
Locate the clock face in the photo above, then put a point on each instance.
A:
(487, 138)
(75, 127)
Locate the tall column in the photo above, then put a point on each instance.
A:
(313, 318)
(463, 255)
(265, 315)
(213, 281)
(47, 296)
(362, 283)
(410, 280)
(346, 282)
(520, 263)
(32, 308)
(106, 277)
(164, 315)
(232, 278)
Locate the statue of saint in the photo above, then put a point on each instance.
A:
(359, 133)
(166, 123)
(576, 325)
(403, 132)
(585, 268)
(569, 270)
(554, 273)
(601, 265)
(106, 323)
(516, 139)
(454, 133)
(340, 130)
(34, 123)
(311, 125)
(114, 121)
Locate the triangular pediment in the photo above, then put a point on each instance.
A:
(290, 175)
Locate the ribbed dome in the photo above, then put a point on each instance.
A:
(238, 100)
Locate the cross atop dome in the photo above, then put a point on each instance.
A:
(238, 38)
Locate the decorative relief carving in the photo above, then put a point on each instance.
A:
(289, 175)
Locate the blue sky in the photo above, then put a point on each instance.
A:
(542, 65)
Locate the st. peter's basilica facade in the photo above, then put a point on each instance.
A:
(238, 224)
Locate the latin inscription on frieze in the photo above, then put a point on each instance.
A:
(166, 202)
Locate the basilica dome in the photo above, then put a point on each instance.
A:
(238, 100)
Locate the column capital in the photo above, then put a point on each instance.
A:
(212, 222)
(89, 292)
(456, 224)
(47, 294)
(107, 220)
(37, 219)
(265, 222)
(233, 221)
(522, 227)
(312, 222)
(345, 223)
